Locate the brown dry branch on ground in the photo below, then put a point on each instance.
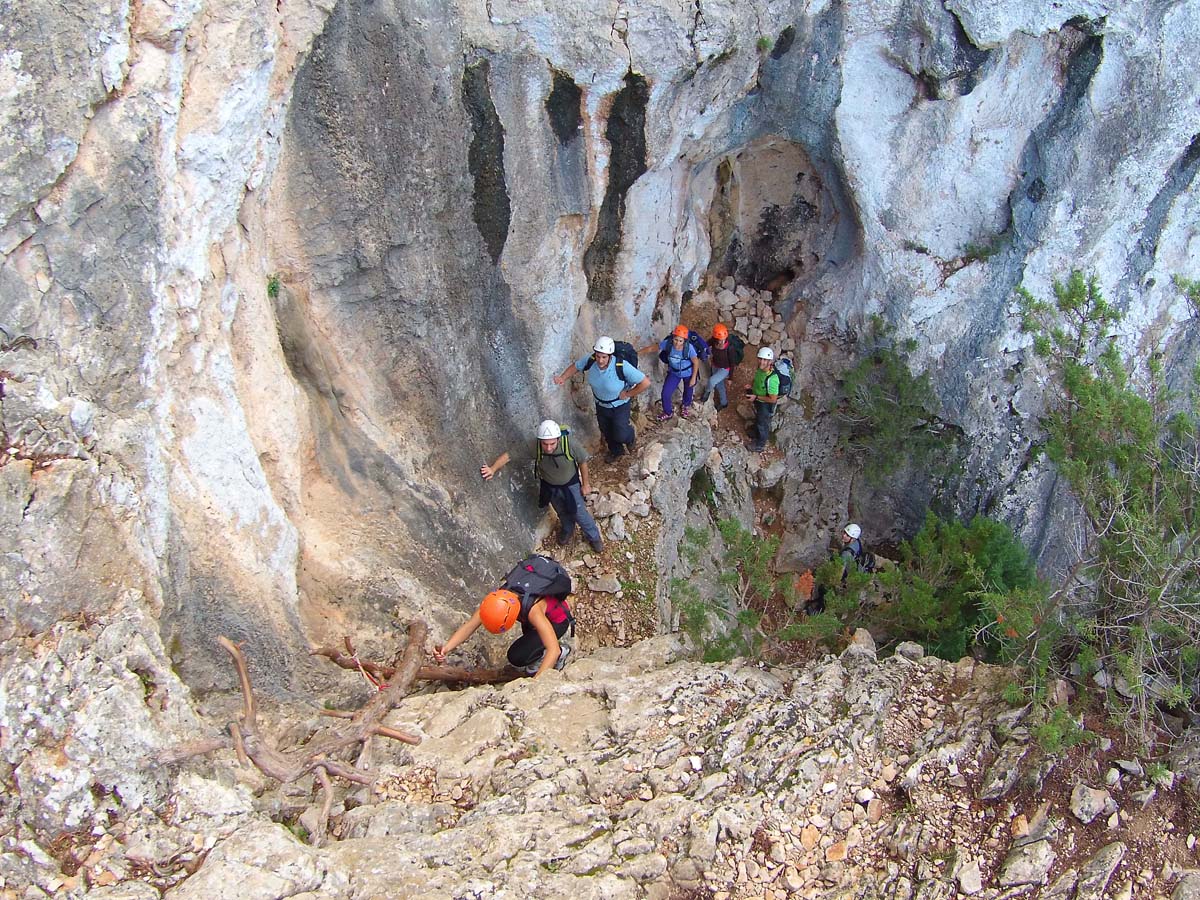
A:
(381, 673)
(324, 755)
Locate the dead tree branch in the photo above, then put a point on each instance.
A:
(383, 673)
(322, 756)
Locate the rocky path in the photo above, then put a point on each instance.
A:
(637, 773)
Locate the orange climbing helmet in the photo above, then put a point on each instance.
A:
(498, 611)
(720, 332)
(680, 331)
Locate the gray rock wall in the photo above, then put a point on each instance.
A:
(453, 202)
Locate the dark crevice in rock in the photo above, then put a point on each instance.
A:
(562, 107)
(941, 57)
(485, 159)
(1040, 171)
(784, 42)
(626, 136)
(1046, 169)
(1178, 179)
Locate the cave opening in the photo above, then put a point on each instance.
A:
(772, 220)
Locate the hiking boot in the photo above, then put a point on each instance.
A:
(532, 668)
(613, 456)
(756, 448)
(685, 413)
(703, 398)
(563, 539)
(664, 416)
(597, 544)
(564, 652)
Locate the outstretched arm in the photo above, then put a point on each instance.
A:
(565, 374)
(488, 471)
(465, 630)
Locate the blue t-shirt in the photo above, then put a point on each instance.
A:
(678, 361)
(606, 383)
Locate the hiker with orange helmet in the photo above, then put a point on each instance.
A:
(683, 367)
(533, 594)
(726, 353)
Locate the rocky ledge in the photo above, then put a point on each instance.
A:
(638, 773)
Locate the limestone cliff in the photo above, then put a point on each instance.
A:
(278, 277)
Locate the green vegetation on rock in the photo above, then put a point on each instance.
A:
(889, 417)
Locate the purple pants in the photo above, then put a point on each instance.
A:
(669, 386)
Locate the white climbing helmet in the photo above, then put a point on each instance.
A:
(605, 345)
(853, 531)
(549, 430)
(766, 353)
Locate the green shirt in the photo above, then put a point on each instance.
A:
(763, 388)
(553, 468)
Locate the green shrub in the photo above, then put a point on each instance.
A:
(1128, 449)
(730, 624)
(944, 592)
(273, 284)
(982, 251)
(889, 416)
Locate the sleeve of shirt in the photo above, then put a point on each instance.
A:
(691, 351)
(578, 452)
(633, 375)
(581, 362)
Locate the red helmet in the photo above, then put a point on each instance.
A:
(720, 332)
(680, 331)
(499, 610)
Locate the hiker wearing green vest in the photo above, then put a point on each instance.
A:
(562, 470)
(765, 391)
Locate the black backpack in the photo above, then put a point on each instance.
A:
(623, 352)
(737, 349)
(698, 344)
(540, 576)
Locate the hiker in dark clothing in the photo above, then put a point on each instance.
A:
(852, 556)
(852, 549)
(562, 471)
(724, 357)
(534, 594)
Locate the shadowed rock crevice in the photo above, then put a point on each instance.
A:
(1179, 178)
(485, 159)
(784, 42)
(562, 108)
(626, 136)
(1040, 168)
(771, 217)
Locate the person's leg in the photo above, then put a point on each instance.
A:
(607, 418)
(566, 518)
(583, 516)
(528, 649)
(687, 393)
(762, 425)
(716, 384)
(668, 391)
(622, 429)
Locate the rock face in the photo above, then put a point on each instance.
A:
(276, 280)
